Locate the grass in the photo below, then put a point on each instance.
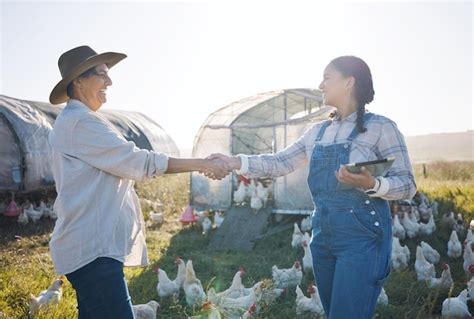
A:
(25, 264)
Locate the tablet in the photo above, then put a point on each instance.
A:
(376, 168)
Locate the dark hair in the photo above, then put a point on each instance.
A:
(363, 86)
(70, 86)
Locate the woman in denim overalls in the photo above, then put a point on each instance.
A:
(352, 235)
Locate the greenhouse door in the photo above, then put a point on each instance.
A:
(10, 157)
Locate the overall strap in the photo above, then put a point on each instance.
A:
(355, 132)
(322, 130)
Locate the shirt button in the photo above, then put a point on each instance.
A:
(346, 146)
(372, 213)
(352, 210)
(376, 224)
(367, 202)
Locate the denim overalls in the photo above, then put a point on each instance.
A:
(352, 236)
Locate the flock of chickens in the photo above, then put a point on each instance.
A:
(254, 191)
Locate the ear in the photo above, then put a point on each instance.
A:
(350, 81)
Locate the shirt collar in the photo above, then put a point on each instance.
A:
(77, 103)
(351, 118)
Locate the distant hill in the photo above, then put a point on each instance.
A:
(457, 146)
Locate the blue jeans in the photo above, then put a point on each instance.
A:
(351, 249)
(101, 290)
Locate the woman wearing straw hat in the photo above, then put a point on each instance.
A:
(352, 230)
(100, 226)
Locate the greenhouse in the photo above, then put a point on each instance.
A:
(25, 154)
(264, 123)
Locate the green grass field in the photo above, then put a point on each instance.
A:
(25, 264)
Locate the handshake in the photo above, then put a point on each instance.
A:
(217, 166)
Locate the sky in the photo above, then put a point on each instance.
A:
(188, 59)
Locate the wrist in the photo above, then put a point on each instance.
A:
(375, 187)
(236, 162)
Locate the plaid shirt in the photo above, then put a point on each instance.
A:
(382, 139)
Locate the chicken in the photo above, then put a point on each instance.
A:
(181, 275)
(428, 228)
(192, 286)
(383, 298)
(434, 208)
(255, 202)
(165, 287)
(400, 255)
(459, 226)
(240, 194)
(468, 264)
(262, 193)
(250, 312)
(454, 246)
(297, 237)
(397, 228)
(269, 296)
(306, 224)
(22, 218)
(470, 289)
(245, 301)
(308, 258)
(236, 289)
(51, 296)
(456, 307)
(430, 253)
(412, 228)
(157, 218)
(471, 224)
(424, 270)
(445, 281)
(305, 304)
(469, 236)
(449, 219)
(218, 218)
(146, 311)
(284, 278)
(206, 225)
(32, 213)
(425, 212)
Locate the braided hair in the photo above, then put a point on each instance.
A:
(363, 86)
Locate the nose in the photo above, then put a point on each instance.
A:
(108, 81)
(321, 85)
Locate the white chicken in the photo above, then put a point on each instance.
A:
(425, 212)
(255, 202)
(459, 226)
(46, 297)
(32, 213)
(383, 298)
(206, 225)
(22, 218)
(250, 312)
(245, 301)
(430, 253)
(468, 264)
(192, 286)
(306, 224)
(424, 270)
(454, 246)
(218, 218)
(240, 194)
(165, 287)
(445, 281)
(181, 275)
(470, 289)
(146, 311)
(305, 304)
(308, 258)
(469, 236)
(157, 218)
(434, 208)
(412, 228)
(236, 289)
(400, 255)
(297, 237)
(262, 193)
(449, 219)
(284, 278)
(428, 228)
(456, 307)
(471, 224)
(397, 228)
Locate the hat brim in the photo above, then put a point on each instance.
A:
(58, 94)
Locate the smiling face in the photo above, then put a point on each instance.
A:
(336, 88)
(92, 90)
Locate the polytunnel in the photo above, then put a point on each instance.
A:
(25, 154)
(264, 123)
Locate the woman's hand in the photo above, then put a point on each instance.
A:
(220, 164)
(363, 180)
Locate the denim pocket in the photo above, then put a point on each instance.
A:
(379, 282)
(367, 220)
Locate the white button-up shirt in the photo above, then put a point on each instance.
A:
(94, 168)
